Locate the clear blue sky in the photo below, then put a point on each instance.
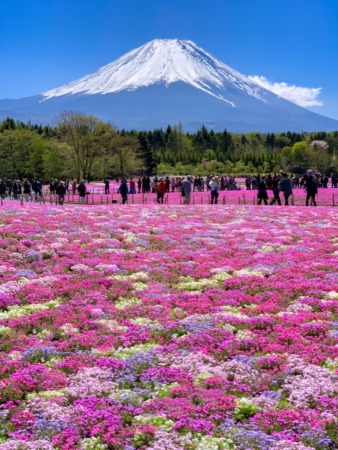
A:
(47, 43)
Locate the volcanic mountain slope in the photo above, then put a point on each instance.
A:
(165, 82)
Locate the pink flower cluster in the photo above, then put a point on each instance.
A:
(168, 327)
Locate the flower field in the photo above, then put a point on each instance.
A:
(168, 327)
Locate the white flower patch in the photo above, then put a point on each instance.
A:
(80, 268)
(248, 273)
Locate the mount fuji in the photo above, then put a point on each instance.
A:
(167, 81)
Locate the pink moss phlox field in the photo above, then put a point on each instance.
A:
(168, 328)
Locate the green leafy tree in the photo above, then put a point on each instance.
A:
(126, 159)
(35, 165)
(57, 161)
(146, 153)
(7, 124)
(88, 138)
(16, 146)
(319, 158)
(300, 157)
(216, 167)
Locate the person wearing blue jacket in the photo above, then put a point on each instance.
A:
(123, 190)
(286, 187)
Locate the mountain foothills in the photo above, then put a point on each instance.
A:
(165, 82)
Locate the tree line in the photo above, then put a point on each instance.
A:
(82, 146)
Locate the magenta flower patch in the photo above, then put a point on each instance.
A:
(194, 328)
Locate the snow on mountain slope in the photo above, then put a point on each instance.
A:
(163, 61)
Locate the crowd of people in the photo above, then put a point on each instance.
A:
(183, 185)
(33, 189)
(279, 183)
(282, 183)
(297, 182)
(148, 184)
(16, 188)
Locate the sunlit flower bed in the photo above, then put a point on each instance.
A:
(168, 328)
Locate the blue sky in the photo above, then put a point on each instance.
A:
(291, 46)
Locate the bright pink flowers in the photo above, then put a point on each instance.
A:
(188, 327)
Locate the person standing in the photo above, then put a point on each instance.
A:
(27, 189)
(286, 187)
(35, 187)
(9, 187)
(161, 188)
(275, 190)
(74, 187)
(132, 186)
(123, 190)
(3, 189)
(67, 185)
(213, 185)
(262, 194)
(147, 189)
(106, 186)
(186, 190)
(82, 191)
(311, 187)
(16, 189)
(61, 191)
(334, 180)
(173, 184)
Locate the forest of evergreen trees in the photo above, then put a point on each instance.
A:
(81, 146)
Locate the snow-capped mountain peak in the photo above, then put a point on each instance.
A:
(162, 61)
(167, 81)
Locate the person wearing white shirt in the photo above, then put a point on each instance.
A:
(213, 185)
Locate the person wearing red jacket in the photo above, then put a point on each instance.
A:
(160, 189)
